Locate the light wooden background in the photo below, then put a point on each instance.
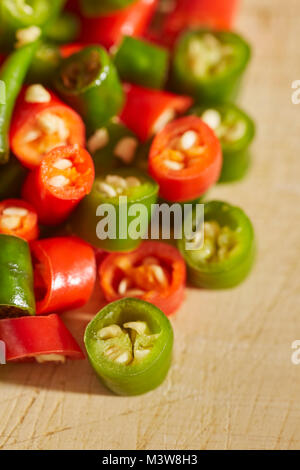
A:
(232, 384)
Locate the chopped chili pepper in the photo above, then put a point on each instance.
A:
(154, 272)
(64, 273)
(18, 218)
(41, 339)
(90, 219)
(64, 177)
(225, 256)
(235, 130)
(209, 65)
(68, 49)
(44, 64)
(185, 159)
(156, 107)
(40, 123)
(16, 278)
(109, 29)
(129, 345)
(63, 28)
(88, 81)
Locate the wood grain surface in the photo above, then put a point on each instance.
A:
(232, 384)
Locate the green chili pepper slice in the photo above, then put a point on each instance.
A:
(236, 131)
(140, 62)
(129, 345)
(12, 176)
(12, 73)
(139, 189)
(112, 146)
(19, 14)
(227, 252)
(44, 65)
(16, 278)
(65, 28)
(89, 82)
(92, 8)
(209, 65)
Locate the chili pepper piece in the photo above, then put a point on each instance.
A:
(16, 277)
(134, 356)
(55, 188)
(18, 218)
(42, 339)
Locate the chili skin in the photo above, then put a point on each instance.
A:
(29, 229)
(53, 204)
(64, 273)
(140, 376)
(16, 277)
(26, 338)
(150, 104)
(190, 183)
(24, 117)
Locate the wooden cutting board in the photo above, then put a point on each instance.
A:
(232, 384)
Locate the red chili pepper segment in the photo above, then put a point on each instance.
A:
(38, 127)
(64, 273)
(18, 218)
(38, 338)
(155, 272)
(156, 107)
(185, 159)
(64, 177)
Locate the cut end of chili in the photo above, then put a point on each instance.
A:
(18, 218)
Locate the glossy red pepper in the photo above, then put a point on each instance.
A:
(109, 30)
(18, 218)
(185, 159)
(64, 177)
(38, 127)
(154, 272)
(215, 14)
(38, 338)
(64, 273)
(154, 107)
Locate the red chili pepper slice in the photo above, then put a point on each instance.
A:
(156, 107)
(38, 338)
(36, 128)
(185, 159)
(215, 14)
(64, 273)
(18, 218)
(64, 177)
(154, 272)
(68, 49)
(109, 30)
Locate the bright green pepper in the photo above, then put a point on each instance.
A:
(227, 253)
(44, 64)
(16, 278)
(102, 7)
(12, 73)
(89, 82)
(141, 62)
(112, 146)
(20, 14)
(12, 176)
(209, 65)
(129, 345)
(65, 28)
(138, 187)
(235, 130)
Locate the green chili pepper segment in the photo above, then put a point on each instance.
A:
(63, 29)
(235, 130)
(141, 62)
(92, 8)
(117, 227)
(209, 65)
(13, 73)
(44, 65)
(16, 278)
(89, 82)
(129, 345)
(226, 255)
